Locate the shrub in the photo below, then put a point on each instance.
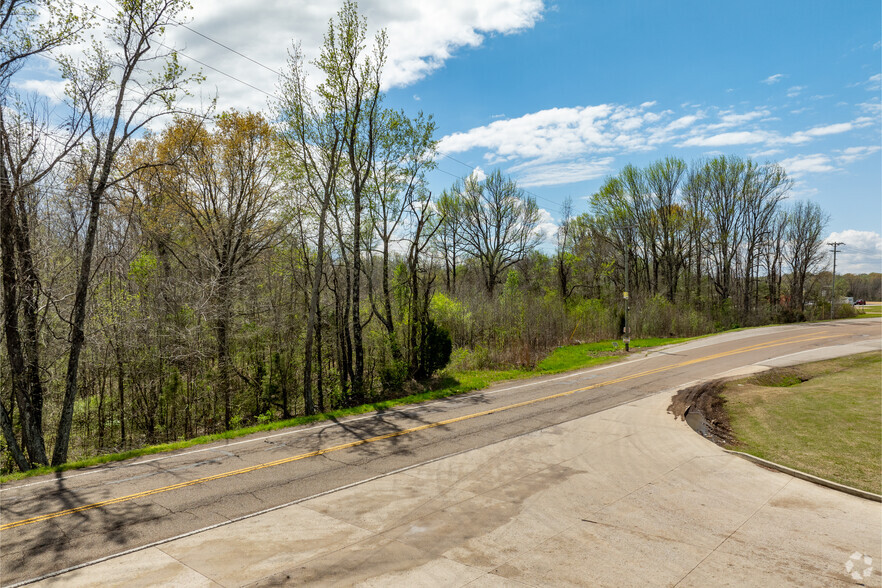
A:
(435, 351)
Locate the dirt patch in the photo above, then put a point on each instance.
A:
(704, 400)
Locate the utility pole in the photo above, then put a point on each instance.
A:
(835, 244)
(626, 336)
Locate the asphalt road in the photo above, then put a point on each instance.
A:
(55, 522)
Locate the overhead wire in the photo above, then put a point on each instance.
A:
(281, 75)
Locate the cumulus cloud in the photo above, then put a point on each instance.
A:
(547, 227)
(861, 252)
(422, 36)
(479, 174)
(555, 133)
(574, 144)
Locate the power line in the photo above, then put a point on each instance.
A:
(278, 73)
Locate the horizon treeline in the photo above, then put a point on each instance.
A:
(242, 267)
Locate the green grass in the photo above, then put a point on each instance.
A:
(829, 425)
(562, 359)
(574, 357)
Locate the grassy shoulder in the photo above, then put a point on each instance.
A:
(823, 418)
(562, 359)
(871, 310)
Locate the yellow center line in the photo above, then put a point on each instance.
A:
(351, 444)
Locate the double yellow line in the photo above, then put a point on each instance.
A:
(146, 493)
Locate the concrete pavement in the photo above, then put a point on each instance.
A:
(627, 496)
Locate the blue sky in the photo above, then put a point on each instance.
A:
(561, 94)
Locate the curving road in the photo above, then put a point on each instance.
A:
(59, 522)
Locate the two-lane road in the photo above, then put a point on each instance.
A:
(55, 522)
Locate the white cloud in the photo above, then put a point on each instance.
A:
(829, 129)
(422, 37)
(573, 144)
(556, 133)
(872, 108)
(53, 90)
(730, 119)
(726, 139)
(766, 153)
(773, 79)
(803, 164)
(794, 91)
(682, 122)
(852, 154)
(547, 227)
(529, 175)
(861, 252)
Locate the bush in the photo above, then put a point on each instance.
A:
(436, 349)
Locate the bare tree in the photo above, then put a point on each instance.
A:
(450, 231)
(120, 93)
(30, 149)
(805, 247)
(313, 141)
(352, 88)
(499, 225)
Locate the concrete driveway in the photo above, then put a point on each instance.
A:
(623, 497)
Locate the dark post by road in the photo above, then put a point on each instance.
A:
(627, 292)
(833, 287)
(626, 336)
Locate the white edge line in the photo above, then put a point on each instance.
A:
(320, 494)
(804, 351)
(300, 429)
(353, 484)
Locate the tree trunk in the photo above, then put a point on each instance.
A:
(358, 392)
(313, 306)
(223, 353)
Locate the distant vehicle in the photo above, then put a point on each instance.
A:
(860, 302)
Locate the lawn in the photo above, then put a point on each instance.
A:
(823, 418)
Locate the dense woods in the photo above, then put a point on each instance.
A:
(240, 267)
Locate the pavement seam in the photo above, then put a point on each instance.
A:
(401, 470)
(194, 570)
(224, 523)
(729, 536)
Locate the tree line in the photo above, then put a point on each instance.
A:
(169, 273)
